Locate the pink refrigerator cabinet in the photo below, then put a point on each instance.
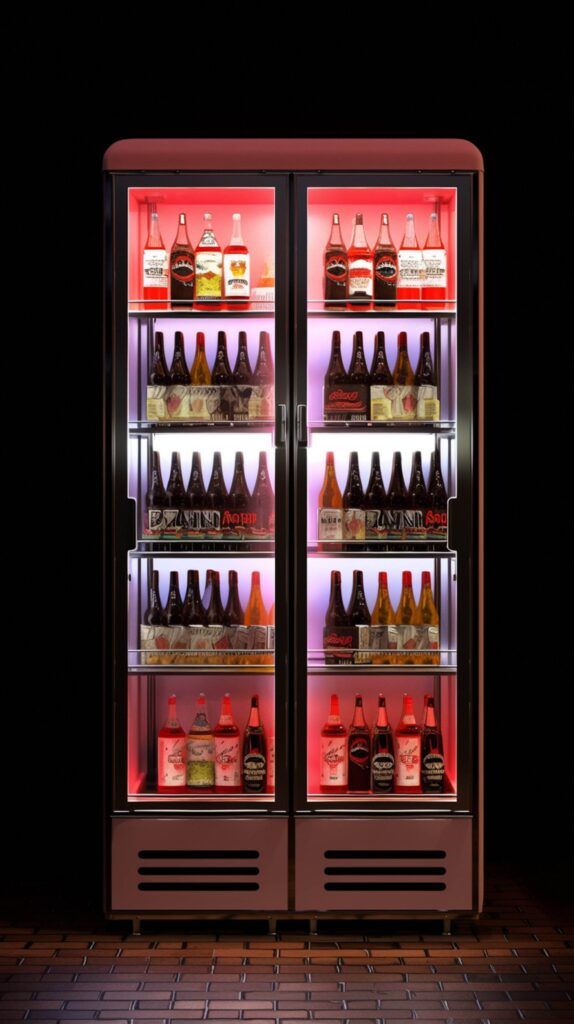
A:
(293, 842)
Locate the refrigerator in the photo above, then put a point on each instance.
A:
(294, 844)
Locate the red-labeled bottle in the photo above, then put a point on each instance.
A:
(227, 753)
(333, 753)
(408, 750)
(171, 744)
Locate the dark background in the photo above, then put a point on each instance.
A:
(54, 807)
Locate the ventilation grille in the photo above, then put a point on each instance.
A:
(421, 872)
(204, 873)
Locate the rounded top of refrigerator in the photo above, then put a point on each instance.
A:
(293, 155)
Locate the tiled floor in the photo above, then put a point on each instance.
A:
(516, 963)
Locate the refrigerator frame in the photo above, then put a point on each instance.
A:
(121, 530)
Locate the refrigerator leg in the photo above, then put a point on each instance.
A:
(446, 926)
(136, 926)
(272, 926)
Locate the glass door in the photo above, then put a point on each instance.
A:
(382, 704)
(200, 491)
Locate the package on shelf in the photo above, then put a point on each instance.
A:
(404, 402)
(163, 645)
(339, 643)
(436, 524)
(262, 298)
(206, 524)
(330, 524)
(345, 402)
(353, 524)
(383, 638)
(357, 644)
(210, 403)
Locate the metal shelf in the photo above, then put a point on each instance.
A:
(384, 314)
(148, 548)
(443, 427)
(187, 669)
(383, 549)
(200, 314)
(146, 427)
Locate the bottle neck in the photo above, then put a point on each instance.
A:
(334, 711)
(430, 717)
(359, 237)
(236, 236)
(433, 239)
(359, 717)
(410, 238)
(254, 720)
(384, 238)
(382, 719)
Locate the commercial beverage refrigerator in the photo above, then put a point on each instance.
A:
(293, 546)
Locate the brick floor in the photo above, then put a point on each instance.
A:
(515, 964)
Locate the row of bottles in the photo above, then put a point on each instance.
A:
(220, 374)
(197, 278)
(356, 276)
(214, 760)
(198, 511)
(377, 393)
(201, 629)
(407, 635)
(363, 761)
(394, 512)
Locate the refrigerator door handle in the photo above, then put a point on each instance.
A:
(131, 520)
(451, 541)
(301, 426)
(281, 426)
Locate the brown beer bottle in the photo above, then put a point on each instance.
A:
(417, 498)
(196, 487)
(178, 371)
(403, 372)
(438, 498)
(358, 609)
(217, 497)
(263, 499)
(200, 373)
(254, 752)
(255, 613)
(336, 618)
(239, 495)
(181, 268)
(153, 615)
(336, 615)
(264, 373)
(221, 373)
(407, 619)
(359, 747)
(385, 267)
(375, 495)
(383, 615)
(173, 612)
(432, 753)
(242, 372)
(354, 502)
(214, 612)
(336, 266)
(194, 613)
(333, 753)
(428, 618)
(176, 493)
(397, 491)
(159, 373)
(336, 375)
(358, 372)
(330, 511)
(233, 614)
(156, 496)
(382, 752)
(425, 373)
(380, 371)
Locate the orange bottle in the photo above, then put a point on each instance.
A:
(383, 615)
(407, 619)
(429, 618)
(330, 511)
(256, 615)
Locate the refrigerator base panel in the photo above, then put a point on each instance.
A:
(164, 865)
(359, 864)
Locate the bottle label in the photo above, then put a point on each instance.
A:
(363, 654)
(384, 638)
(433, 772)
(411, 268)
(361, 277)
(270, 638)
(171, 761)
(200, 761)
(183, 268)
(336, 267)
(333, 760)
(271, 762)
(330, 523)
(353, 524)
(408, 754)
(254, 771)
(227, 763)
(208, 275)
(359, 750)
(434, 261)
(428, 406)
(394, 401)
(236, 275)
(155, 268)
(339, 642)
(345, 401)
(386, 268)
(383, 770)
(408, 637)
(436, 523)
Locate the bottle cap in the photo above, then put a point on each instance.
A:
(425, 338)
(407, 578)
(200, 339)
(402, 337)
(383, 580)
(425, 579)
(255, 577)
